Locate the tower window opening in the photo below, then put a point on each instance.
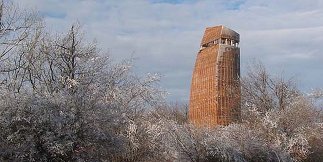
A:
(222, 41)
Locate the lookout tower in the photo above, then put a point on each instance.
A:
(215, 86)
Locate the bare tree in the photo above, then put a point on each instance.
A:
(173, 111)
(261, 90)
(18, 28)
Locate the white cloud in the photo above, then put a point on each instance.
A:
(165, 36)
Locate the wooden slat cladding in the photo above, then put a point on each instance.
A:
(228, 88)
(215, 87)
(211, 33)
(203, 91)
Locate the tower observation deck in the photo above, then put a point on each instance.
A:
(215, 86)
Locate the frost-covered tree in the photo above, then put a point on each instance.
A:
(262, 90)
(62, 100)
(288, 119)
(18, 27)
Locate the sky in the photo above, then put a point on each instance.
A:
(164, 35)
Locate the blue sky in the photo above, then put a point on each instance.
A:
(172, 1)
(164, 35)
